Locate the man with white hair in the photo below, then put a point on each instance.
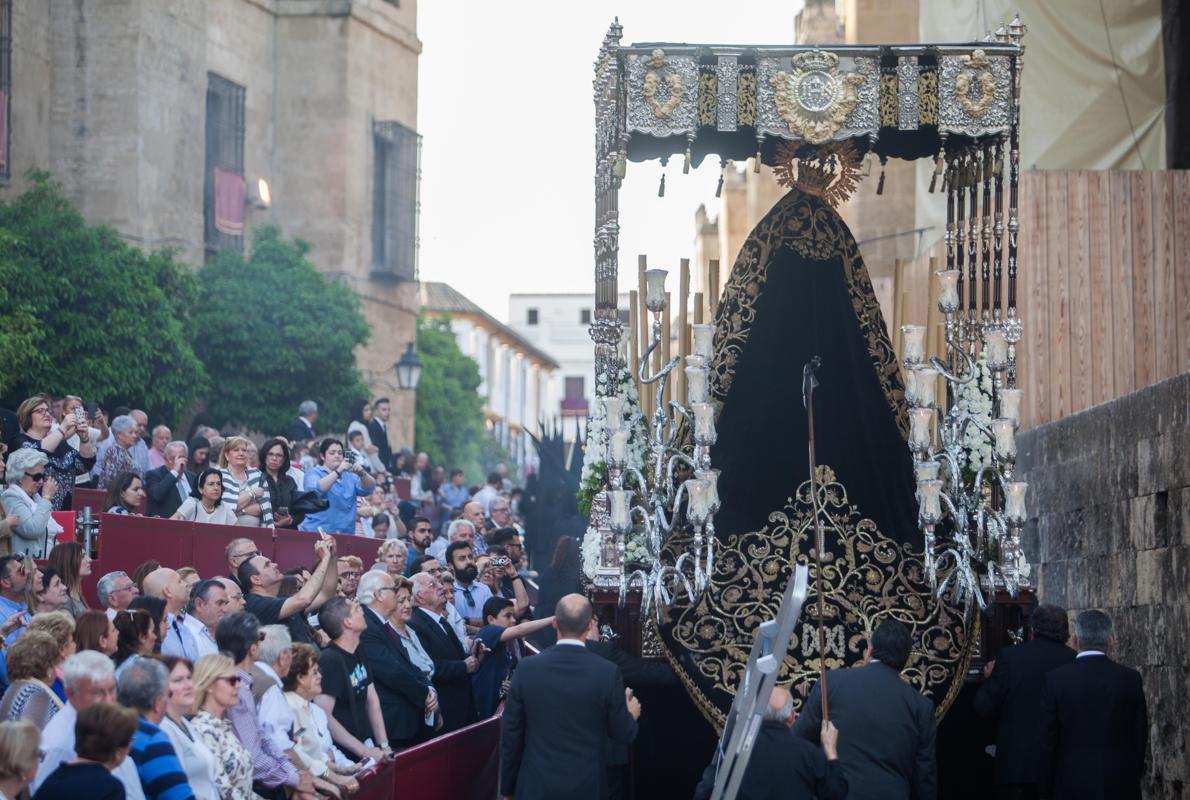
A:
(160, 440)
(461, 530)
(118, 457)
(302, 428)
(116, 590)
(453, 665)
(170, 483)
(140, 450)
(89, 677)
(273, 658)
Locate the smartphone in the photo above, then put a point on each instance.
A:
(91, 409)
(283, 511)
(80, 414)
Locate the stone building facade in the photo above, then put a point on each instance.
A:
(1109, 490)
(131, 104)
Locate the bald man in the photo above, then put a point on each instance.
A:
(561, 707)
(784, 766)
(179, 640)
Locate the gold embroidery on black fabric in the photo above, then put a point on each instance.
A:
(708, 92)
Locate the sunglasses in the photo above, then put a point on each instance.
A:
(39, 477)
(232, 680)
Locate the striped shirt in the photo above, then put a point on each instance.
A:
(254, 479)
(161, 774)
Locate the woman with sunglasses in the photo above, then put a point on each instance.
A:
(216, 687)
(30, 496)
(65, 463)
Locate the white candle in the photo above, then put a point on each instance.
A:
(1010, 404)
(695, 360)
(930, 501)
(1014, 502)
(1004, 432)
(704, 337)
(995, 348)
(612, 413)
(619, 448)
(927, 385)
(618, 509)
(655, 289)
(926, 471)
(711, 478)
(911, 387)
(696, 384)
(948, 290)
(700, 500)
(915, 344)
(704, 423)
(919, 428)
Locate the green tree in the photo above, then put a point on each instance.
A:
(276, 332)
(83, 312)
(449, 425)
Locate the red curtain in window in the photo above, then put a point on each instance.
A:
(229, 202)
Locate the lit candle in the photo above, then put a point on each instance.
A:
(948, 290)
(711, 478)
(612, 413)
(911, 387)
(704, 336)
(655, 290)
(618, 509)
(927, 384)
(704, 423)
(919, 429)
(619, 448)
(915, 344)
(926, 471)
(930, 501)
(1010, 404)
(695, 360)
(1004, 432)
(1014, 502)
(700, 500)
(995, 348)
(696, 384)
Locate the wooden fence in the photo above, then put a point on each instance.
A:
(1104, 287)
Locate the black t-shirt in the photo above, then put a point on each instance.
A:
(268, 611)
(345, 677)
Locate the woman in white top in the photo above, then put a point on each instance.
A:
(244, 487)
(205, 503)
(198, 762)
(215, 691)
(302, 684)
(29, 497)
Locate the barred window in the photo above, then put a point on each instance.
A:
(395, 200)
(5, 89)
(223, 178)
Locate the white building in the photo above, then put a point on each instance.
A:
(516, 375)
(558, 324)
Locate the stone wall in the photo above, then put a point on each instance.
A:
(1110, 492)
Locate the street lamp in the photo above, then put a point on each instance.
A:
(408, 368)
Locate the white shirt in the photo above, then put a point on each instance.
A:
(274, 713)
(1086, 653)
(197, 760)
(57, 744)
(485, 496)
(324, 736)
(575, 642)
(202, 636)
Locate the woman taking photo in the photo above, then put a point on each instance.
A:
(198, 762)
(243, 485)
(33, 660)
(71, 562)
(205, 503)
(65, 462)
(29, 497)
(302, 684)
(94, 630)
(274, 462)
(215, 691)
(340, 483)
(125, 494)
(136, 634)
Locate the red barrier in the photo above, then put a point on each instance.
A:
(462, 765)
(377, 785)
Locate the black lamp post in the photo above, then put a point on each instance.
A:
(408, 369)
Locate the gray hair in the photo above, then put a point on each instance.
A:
(107, 585)
(276, 641)
(141, 683)
(421, 582)
(1093, 629)
(86, 665)
(22, 460)
(454, 527)
(392, 544)
(161, 428)
(369, 583)
(175, 445)
(307, 408)
(781, 714)
(122, 424)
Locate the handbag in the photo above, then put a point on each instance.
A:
(305, 503)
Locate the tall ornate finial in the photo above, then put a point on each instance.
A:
(614, 32)
(1017, 31)
(1002, 35)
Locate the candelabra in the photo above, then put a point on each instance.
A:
(970, 508)
(653, 498)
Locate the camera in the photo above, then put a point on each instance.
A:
(350, 456)
(499, 561)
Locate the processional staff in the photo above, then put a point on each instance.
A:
(809, 381)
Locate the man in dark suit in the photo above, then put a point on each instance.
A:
(406, 696)
(378, 432)
(453, 664)
(302, 428)
(564, 707)
(886, 729)
(169, 485)
(1094, 722)
(1012, 695)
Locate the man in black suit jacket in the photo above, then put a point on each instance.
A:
(1095, 726)
(406, 696)
(378, 432)
(1012, 695)
(302, 428)
(886, 729)
(563, 709)
(170, 484)
(453, 665)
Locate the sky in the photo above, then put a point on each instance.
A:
(506, 114)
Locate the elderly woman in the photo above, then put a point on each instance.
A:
(20, 757)
(118, 456)
(302, 684)
(125, 495)
(32, 662)
(392, 555)
(30, 498)
(197, 760)
(244, 487)
(65, 463)
(215, 690)
(70, 560)
(205, 503)
(340, 483)
(399, 620)
(51, 595)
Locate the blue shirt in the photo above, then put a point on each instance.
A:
(469, 601)
(157, 763)
(455, 497)
(7, 609)
(340, 517)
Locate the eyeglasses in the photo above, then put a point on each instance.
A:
(249, 554)
(39, 477)
(41, 410)
(232, 680)
(348, 574)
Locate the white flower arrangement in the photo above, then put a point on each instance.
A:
(636, 550)
(975, 398)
